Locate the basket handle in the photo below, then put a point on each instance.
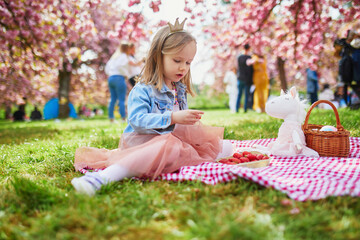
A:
(338, 124)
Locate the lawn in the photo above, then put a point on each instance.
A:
(37, 200)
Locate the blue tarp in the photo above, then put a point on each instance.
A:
(51, 109)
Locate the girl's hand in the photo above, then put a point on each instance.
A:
(186, 117)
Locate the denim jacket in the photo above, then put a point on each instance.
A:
(149, 110)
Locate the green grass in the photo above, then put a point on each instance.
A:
(37, 200)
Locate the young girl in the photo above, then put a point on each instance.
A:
(162, 133)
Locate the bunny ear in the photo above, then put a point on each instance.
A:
(293, 92)
(282, 92)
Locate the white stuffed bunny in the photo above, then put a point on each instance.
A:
(291, 138)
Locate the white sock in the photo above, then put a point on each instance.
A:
(115, 173)
(88, 184)
(227, 149)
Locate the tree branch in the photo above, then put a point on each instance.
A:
(25, 44)
(264, 20)
(313, 29)
(295, 27)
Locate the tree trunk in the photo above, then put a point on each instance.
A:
(281, 70)
(64, 89)
(7, 112)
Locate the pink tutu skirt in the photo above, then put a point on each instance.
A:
(151, 155)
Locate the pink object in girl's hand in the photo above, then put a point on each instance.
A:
(328, 128)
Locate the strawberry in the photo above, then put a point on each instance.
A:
(231, 163)
(259, 156)
(223, 160)
(244, 159)
(251, 157)
(246, 153)
(235, 160)
(237, 155)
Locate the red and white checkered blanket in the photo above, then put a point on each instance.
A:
(301, 178)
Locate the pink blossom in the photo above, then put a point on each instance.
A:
(187, 9)
(155, 5)
(286, 202)
(12, 34)
(133, 2)
(294, 211)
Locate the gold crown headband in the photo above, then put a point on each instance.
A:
(177, 27)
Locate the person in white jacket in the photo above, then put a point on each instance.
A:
(117, 68)
(231, 89)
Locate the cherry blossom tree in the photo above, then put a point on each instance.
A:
(298, 34)
(58, 48)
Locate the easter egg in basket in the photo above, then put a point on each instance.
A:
(328, 128)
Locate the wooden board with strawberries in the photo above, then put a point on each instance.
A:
(250, 159)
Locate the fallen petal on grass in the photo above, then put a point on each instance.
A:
(286, 202)
(294, 211)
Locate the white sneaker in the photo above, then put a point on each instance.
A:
(88, 184)
(113, 121)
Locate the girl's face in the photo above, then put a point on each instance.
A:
(177, 65)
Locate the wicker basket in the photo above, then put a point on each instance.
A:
(327, 143)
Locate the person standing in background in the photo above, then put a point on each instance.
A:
(245, 77)
(261, 82)
(348, 49)
(117, 68)
(312, 85)
(230, 80)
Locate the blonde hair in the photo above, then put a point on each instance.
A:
(165, 43)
